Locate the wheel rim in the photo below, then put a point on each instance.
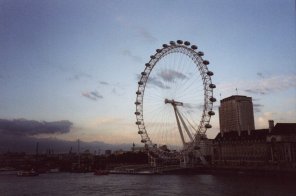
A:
(159, 75)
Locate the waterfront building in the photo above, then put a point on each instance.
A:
(248, 148)
(239, 144)
(275, 146)
(236, 114)
(282, 143)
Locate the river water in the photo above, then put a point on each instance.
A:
(88, 184)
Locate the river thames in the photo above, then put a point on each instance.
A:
(89, 184)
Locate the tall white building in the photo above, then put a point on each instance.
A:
(236, 114)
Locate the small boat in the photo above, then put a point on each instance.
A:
(101, 172)
(32, 172)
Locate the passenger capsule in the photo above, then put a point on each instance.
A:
(208, 126)
(152, 57)
(179, 41)
(158, 50)
(164, 45)
(137, 103)
(137, 113)
(143, 73)
(140, 83)
(140, 132)
(187, 43)
(211, 113)
(212, 99)
(209, 73)
(172, 43)
(200, 53)
(138, 93)
(193, 47)
(206, 62)
(147, 65)
(143, 141)
(138, 123)
(212, 86)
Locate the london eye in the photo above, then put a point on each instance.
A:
(174, 100)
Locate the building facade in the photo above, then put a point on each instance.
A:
(273, 147)
(236, 114)
(282, 143)
(248, 148)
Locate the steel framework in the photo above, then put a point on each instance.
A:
(196, 56)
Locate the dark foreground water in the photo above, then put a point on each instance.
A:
(89, 184)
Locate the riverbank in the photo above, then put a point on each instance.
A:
(211, 169)
(267, 171)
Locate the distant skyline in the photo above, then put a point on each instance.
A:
(69, 69)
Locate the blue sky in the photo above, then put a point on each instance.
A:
(79, 60)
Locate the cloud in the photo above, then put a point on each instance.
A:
(154, 81)
(262, 120)
(146, 35)
(93, 95)
(115, 92)
(141, 31)
(104, 83)
(117, 89)
(260, 75)
(129, 54)
(264, 86)
(169, 75)
(80, 76)
(193, 106)
(23, 127)
(28, 145)
(257, 91)
(272, 84)
(257, 107)
(22, 135)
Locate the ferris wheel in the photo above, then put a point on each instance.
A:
(174, 102)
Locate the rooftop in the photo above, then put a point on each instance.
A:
(284, 128)
(236, 97)
(258, 134)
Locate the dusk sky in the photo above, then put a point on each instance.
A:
(72, 67)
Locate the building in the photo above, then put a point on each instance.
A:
(236, 114)
(240, 145)
(282, 142)
(248, 148)
(274, 147)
